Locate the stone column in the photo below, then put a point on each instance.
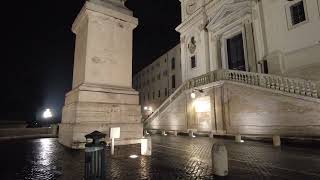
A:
(102, 96)
(183, 59)
(215, 53)
(251, 52)
(276, 141)
(219, 110)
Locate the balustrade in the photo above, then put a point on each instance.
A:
(280, 83)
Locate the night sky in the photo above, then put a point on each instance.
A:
(38, 49)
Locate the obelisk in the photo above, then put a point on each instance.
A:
(102, 96)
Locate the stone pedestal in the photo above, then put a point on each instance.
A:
(102, 96)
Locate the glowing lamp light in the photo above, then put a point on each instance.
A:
(150, 109)
(47, 114)
(193, 95)
(133, 156)
(145, 108)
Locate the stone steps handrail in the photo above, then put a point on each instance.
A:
(168, 101)
(276, 82)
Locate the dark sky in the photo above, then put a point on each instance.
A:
(38, 49)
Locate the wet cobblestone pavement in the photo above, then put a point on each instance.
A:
(173, 158)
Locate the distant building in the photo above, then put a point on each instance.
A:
(158, 80)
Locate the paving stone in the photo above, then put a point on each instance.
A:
(179, 157)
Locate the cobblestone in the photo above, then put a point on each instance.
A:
(173, 158)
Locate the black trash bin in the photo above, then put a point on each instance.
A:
(95, 156)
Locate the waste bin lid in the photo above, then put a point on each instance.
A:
(95, 135)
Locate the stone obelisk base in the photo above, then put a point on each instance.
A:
(90, 108)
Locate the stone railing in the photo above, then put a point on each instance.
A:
(280, 83)
(168, 101)
(202, 80)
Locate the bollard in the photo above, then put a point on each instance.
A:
(276, 141)
(163, 133)
(219, 160)
(238, 139)
(146, 146)
(211, 135)
(95, 156)
(191, 134)
(146, 133)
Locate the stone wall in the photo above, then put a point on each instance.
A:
(173, 117)
(12, 133)
(237, 108)
(256, 111)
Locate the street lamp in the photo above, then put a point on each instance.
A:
(193, 94)
(47, 115)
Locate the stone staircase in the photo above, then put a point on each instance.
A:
(274, 85)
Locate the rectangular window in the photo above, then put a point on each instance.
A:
(193, 62)
(297, 13)
(166, 92)
(159, 93)
(159, 76)
(153, 95)
(173, 81)
(173, 63)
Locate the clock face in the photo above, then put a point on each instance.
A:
(191, 6)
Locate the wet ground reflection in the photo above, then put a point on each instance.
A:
(173, 158)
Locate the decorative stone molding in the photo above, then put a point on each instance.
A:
(202, 27)
(183, 39)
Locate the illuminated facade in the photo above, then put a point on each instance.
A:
(248, 67)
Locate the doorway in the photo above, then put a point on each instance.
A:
(236, 59)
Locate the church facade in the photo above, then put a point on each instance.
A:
(275, 37)
(249, 67)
